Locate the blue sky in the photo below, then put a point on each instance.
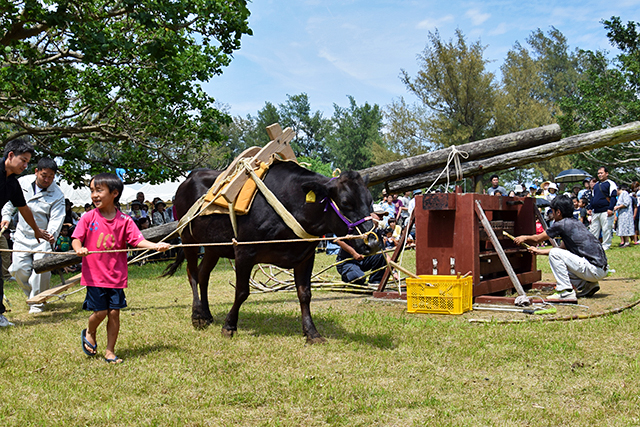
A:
(331, 49)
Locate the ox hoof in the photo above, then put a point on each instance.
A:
(200, 323)
(228, 333)
(316, 340)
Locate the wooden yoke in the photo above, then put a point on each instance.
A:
(279, 145)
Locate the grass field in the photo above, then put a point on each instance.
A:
(380, 366)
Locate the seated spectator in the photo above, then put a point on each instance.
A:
(87, 207)
(70, 217)
(389, 241)
(63, 242)
(143, 223)
(136, 210)
(584, 214)
(159, 215)
(553, 191)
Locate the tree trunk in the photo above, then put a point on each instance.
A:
(54, 262)
(476, 150)
(571, 145)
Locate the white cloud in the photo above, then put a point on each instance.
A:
(501, 28)
(477, 17)
(430, 23)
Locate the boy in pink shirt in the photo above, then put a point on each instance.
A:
(105, 274)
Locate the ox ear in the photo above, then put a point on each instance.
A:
(314, 191)
(366, 180)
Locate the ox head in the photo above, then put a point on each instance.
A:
(348, 206)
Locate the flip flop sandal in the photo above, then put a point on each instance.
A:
(115, 361)
(86, 343)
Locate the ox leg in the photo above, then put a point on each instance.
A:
(243, 274)
(199, 277)
(302, 275)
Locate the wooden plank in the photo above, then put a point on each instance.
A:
(396, 252)
(498, 247)
(279, 145)
(220, 181)
(49, 293)
(274, 131)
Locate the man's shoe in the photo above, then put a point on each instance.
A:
(4, 322)
(562, 296)
(588, 290)
(35, 309)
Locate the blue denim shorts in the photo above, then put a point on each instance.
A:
(99, 299)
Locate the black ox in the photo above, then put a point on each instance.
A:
(340, 204)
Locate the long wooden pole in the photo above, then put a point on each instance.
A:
(573, 144)
(498, 247)
(476, 150)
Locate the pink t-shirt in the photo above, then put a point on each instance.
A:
(106, 270)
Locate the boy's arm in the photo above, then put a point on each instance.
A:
(81, 251)
(160, 246)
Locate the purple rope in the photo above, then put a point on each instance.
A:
(351, 225)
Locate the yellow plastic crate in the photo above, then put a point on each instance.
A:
(439, 294)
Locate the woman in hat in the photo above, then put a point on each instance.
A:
(136, 210)
(159, 215)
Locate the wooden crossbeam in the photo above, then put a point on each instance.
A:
(279, 144)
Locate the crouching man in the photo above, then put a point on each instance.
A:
(579, 262)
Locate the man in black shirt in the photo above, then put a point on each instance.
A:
(580, 260)
(17, 154)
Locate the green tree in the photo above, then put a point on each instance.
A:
(357, 130)
(608, 96)
(115, 84)
(558, 66)
(407, 130)
(310, 129)
(521, 104)
(525, 100)
(457, 90)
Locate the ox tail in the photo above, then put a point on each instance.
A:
(173, 267)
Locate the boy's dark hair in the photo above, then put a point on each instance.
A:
(494, 176)
(111, 181)
(19, 146)
(564, 204)
(585, 201)
(606, 169)
(65, 227)
(47, 163)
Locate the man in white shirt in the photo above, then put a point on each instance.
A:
(46, 201)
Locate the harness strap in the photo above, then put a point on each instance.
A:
(286, 216)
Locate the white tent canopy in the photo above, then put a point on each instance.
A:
(82, 195)
(165, 191)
